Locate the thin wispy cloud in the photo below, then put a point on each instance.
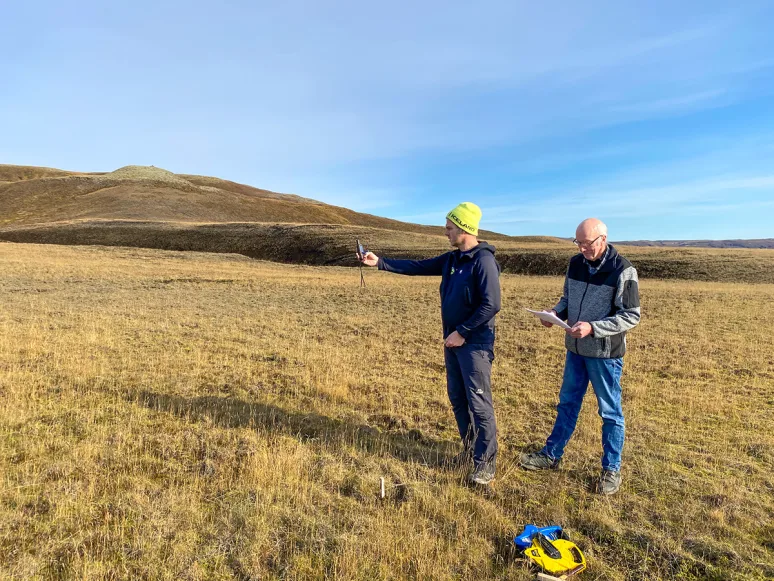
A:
(676, 103)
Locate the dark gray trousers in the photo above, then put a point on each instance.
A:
(468, 382)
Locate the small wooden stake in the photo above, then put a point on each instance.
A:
(381, 487)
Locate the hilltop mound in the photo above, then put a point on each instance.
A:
(146, 173)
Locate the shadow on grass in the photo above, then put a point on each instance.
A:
(235, 413)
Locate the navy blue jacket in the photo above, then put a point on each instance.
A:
(470, 289)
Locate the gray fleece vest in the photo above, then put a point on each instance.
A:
(609, 300)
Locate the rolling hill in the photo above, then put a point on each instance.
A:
(33, 195)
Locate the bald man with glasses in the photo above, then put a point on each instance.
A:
(601, 302)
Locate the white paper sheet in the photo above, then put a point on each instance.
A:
(549, 317)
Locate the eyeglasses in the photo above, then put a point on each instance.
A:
(586, 243)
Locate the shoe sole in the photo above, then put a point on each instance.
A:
(531, 468)
(608, 492)
(536, 468)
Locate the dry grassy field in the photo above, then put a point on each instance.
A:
(168, 415)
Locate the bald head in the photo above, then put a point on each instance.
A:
(590, 228)
(591, 237)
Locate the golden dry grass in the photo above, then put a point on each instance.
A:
(173, 415)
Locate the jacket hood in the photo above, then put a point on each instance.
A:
(481, 246)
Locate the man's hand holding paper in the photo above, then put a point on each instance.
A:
(549, 319)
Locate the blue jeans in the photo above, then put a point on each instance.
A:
(468, 383)
(605, 376)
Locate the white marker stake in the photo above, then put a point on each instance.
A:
(381, 487)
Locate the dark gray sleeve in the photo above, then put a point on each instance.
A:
(626, 307)
(561, 306)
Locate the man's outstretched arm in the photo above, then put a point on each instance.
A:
(427, 267)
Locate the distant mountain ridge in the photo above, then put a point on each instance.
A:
(751, 243)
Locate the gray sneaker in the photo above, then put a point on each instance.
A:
(483, 474)
(538, 461)
(609, 482)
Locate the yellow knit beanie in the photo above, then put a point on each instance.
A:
(467, 216)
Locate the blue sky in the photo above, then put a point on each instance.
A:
(657, 117)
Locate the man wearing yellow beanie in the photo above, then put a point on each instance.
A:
(470, 299)
(466, 217)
